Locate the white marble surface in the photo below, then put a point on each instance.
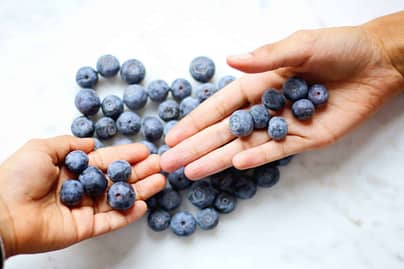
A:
(340, 207)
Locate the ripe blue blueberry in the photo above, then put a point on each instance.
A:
(87, 102)
(207, 218)
(181, 88)
(273, 99)
(285, 161)
(135, 97)
(169, 199)
(245, 188)
(152, 203)
(318, 94)
(82, 127)
(150, 146)
(178, 180)
(105, 128)
(266, 175)
(158, 220)
(162, 149)
(202, 69)
(108, 66)
(71, 193)
(295, 88)
(260, 116)
(278, 128)
(223, 181)
(86, 77)
(112, 106)
(303, 109)
(152, 128)
(183, 223)
(168, 110)
(225, 203)
(158, 90)
(76, 161)
(201, 194)
(169, 125)
(121, 196)
(205, 90)
(98, 144)
(241, 123)
(224, 81)
(128, 123)
(187, 105)
(119, 170)
(133, 71)
(94, 181)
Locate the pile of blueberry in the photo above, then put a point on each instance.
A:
(304, 100)
(92, 181)
(211, 196)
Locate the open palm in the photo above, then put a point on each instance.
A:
(30, 181)
(350, 61)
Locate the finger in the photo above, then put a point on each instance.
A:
(245, 90)
(292, 51)
(221, 158)
(145, 168)
(196, 146)
(132, 153)
(112, 220)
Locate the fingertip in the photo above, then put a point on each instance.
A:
(137, 211)
(167, 161)
(192, 173)
(239, 161)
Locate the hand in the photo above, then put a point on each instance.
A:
(350, 61)
(32, 217)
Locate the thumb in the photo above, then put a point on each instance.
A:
(292, 51)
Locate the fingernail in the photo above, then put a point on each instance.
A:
(240, 57)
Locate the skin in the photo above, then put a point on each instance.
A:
(362, 67)
(32, 217)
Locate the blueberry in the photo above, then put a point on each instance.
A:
(121, 196)
(285, 161)
(128, 123)
(245, 188)
(224, 81)
(225, 203)
(152, 203)
(133, 71)
(82, 127)
(158, 90)
(201, 194)
(278, 128)
(119, 170)
(183, 223)
(105, 128)
(108, 66)
(202, 69)
(178, 180)
(158, 220)
(207, 218)
(303, 109)
(98, 144)
(241, 123)
(273, 99)
(318, 94)
(135, 97)
(76, 161)
(86, 77)
(94, 181)
(295, 88)
(168, 110)
(152, 128)
(169, 125)
(169, 199)
(223, 181)
(181, 88)
(204, 91)
(87, 102)
(187, 105)
(260, 116)
(150, 146)
(162, 149)
(71, 193)
(266, 175)
(112, 106)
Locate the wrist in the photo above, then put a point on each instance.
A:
(6, 230)
(390, 33)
